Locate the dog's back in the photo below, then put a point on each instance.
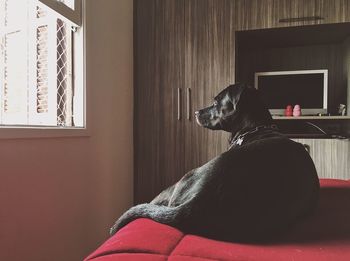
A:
(267, 185)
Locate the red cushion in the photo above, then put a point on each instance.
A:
(325, 236)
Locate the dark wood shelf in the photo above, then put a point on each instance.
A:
(294, 36)
(312, 118)
(313, 136)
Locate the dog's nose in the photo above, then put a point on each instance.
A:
(196, 113)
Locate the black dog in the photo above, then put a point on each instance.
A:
(254, 191)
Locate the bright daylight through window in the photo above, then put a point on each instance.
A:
(40, 64)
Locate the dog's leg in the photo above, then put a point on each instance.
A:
(173, 216)
(168, 196)
(163, 198)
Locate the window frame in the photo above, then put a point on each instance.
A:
(74, 16)
(79, 54)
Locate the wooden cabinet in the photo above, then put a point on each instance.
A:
(254, 14)
(146, 99)
(336, 11)
(301, 12)
(257, 14)
(331, 157)
(171, 73)
(184, 57)
(159, 72)
(209, 67)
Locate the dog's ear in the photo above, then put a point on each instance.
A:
(251, 96)
(249, 101)
(236, 91)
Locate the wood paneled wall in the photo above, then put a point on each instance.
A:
(257, 14)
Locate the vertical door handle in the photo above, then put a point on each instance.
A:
(178, 104)
(188, 101)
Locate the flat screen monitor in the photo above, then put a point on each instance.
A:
(307, 88)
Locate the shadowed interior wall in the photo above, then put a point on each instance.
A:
(59, 196)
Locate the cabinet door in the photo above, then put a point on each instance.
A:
(171, 51)
(336, 11)
(209, 68)
(159, 67)
(331, 157)
(257, 14)
(254, 14)
(309, 12)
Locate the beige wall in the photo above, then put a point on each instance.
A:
(59, 196)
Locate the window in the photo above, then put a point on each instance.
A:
(41, 63)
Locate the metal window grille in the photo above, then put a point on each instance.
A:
(64, 75)
(36, 86)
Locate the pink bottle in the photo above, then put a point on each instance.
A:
(296, 110)
(288, 111)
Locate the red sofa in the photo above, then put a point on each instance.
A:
(325, 236)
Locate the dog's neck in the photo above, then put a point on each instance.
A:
(250, 122)
(251, 134)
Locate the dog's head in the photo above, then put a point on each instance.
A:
(236, 107)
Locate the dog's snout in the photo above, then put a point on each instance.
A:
(196, 113)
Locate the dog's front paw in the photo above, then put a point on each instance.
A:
(133, 213)
(113, 229)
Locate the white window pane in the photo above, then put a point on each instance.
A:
(15, 78)
(15, 12)
(36, 57)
